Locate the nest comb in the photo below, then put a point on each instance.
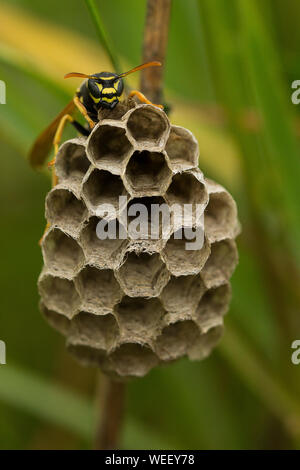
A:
(130, 304)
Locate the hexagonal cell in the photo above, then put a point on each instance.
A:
(148, 126)
(187, 188)
(108, 253)
(59, 295)
(56, 320)
(221, 263)
(109, 148)
(181, 296)
(182, 149)
(206, 343)
(187, 196)
(213, 305)
(147, 174)
(149, 222)
(86, 355)
(62, 254)
(133, 360)
(220, 214)
(176, 340)
(101, 191)
(99, 289)
(94, 331)
(139, 319)
(72, 163)
(180, 254)
(143, 275)
(65, 210)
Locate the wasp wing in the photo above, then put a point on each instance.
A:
(42, 146)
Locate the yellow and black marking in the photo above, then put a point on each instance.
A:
(103, 90)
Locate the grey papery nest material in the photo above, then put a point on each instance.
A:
(130, 304)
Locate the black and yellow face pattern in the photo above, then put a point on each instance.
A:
(105, 89)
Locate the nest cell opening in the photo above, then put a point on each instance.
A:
(56, 320)
(59, 295)
(176, 340)
(62, 254)
(107, 252)
(98, 288)
(182, 149)
(213, 305)
(86, 355)
(186, 189)
(147, 125)
(148, 218)
(143, 275)
(109, 147)
(182, 295)
(132, 359)
(97, 331)
(64, 209)
(103, 188)
(139, 319)
(147, 172)
(220, 264)
(72, 163)
(206, 343)
(180, 257)
(220, 216)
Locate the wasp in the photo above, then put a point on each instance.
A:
(99, 90)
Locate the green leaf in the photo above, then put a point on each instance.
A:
(103, 36)
(46, 400)
(265, 78)
(60, 406)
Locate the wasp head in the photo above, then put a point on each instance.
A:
(105, 89)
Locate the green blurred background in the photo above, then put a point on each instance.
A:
(229, 70)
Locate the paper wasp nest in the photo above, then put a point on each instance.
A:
(128, 304)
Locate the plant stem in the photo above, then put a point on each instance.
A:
(103, 35)
(155, 47)
(112, 398)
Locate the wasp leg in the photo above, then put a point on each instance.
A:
(56, 141)
(83, 111)
(143, 98)
(82, 130)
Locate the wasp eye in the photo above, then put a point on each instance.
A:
(119, 85)
(93, 87)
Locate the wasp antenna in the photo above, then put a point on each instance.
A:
(77, 74)
(154, 63)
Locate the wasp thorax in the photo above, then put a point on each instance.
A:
(140, 297)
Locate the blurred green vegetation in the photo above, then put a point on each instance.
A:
(229, 71)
